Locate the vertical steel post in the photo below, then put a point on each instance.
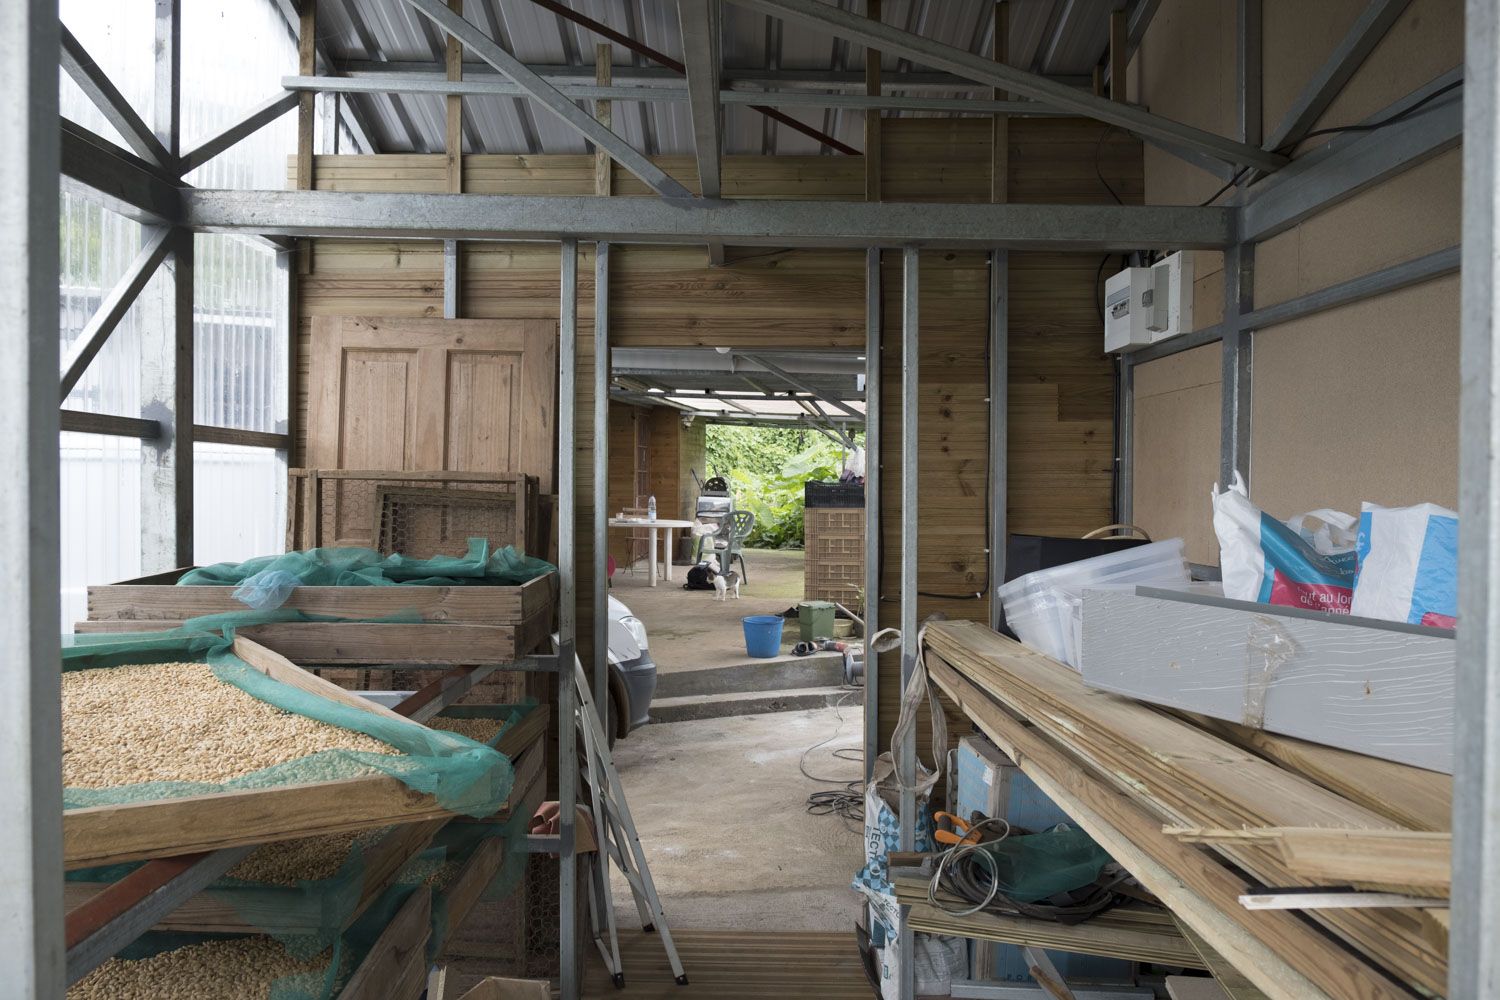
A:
(1125, 468)
(452, 277)
(31, 904)
(567, 617)
(601, 477)
(999, 403)
(871, 609)
(906, 762)
(1473, 957)
(167, 343)
(1239, 264)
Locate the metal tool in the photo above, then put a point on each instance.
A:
(952, 830)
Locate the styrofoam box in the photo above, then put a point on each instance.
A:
(1375, 687)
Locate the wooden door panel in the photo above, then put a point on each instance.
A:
(430, 394)
(483, 397)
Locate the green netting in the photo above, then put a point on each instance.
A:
(1037, 866)
(464, 776)
(440, 866)
(356, 567)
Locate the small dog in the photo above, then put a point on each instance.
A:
(725, 584)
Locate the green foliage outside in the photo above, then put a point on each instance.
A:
(766, 468)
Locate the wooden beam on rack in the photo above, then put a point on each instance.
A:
(1363, 858)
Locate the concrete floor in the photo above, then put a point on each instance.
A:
(690, 630)
(720, 805)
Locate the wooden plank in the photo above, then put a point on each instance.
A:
(403, 941)
(1410, 796)
(1105, 935)
(738, 965)
(1228, 978)
(307, 65)
(279, 668)
(1288, 959)
(477, 605)
(453, 136)
(603, 73)
(364, 644)
(104, 835)
(1390, 860)
(92, 907)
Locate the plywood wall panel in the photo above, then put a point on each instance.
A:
(1177, 401)
(1359, 403)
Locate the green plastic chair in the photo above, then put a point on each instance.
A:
(729, 543)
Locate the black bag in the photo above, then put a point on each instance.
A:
(699, 578)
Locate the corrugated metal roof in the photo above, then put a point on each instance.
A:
(1057, 37)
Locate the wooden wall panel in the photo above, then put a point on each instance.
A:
(1062, 386)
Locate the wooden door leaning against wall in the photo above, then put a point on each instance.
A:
(473, 395)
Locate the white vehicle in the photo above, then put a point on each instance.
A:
(632, 672)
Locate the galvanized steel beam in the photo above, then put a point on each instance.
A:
(115, 107)
(742, 223)
(114, 307)
(31, 863)
(871, 609)
(550, 98)
(435, 83)
(1474, 943)
(1348, 164)
(602, 372)
(911, 453)
(1364, 34)
(122, 181)
(999, 423)
(930, 52)
(257, 118)
(702, 31)
(567, 620)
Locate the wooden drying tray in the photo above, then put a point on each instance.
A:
(395, 967)
(1121, 769)
(135, 831)
(273, 910)
(474, 625)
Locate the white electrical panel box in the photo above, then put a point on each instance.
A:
(1129, 309)
(1145, 305)
(1174, 284)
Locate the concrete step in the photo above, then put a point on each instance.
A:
(715, 706)
(778, 673)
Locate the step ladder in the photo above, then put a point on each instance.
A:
(619, 844)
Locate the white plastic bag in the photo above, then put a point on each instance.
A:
(1307, 562)
(1408, 564)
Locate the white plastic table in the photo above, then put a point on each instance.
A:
(659, 527)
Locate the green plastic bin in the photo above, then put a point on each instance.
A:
(815, 620)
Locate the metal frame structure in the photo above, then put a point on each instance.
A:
(147, 185)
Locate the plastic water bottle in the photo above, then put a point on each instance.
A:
(651, 507)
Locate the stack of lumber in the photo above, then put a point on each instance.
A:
(1124, 770)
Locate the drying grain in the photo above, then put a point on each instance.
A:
(478, 730)
(178, 722)
(233, 969)
(312, 859)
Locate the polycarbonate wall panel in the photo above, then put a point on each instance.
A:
(239, 335)
(99, 503)
(239, 503)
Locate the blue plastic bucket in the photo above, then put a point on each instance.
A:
(763, 636)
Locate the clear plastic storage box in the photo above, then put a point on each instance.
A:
(1045, 608)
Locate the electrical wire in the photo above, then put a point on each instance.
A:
(846, 802)
(1332, 130)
